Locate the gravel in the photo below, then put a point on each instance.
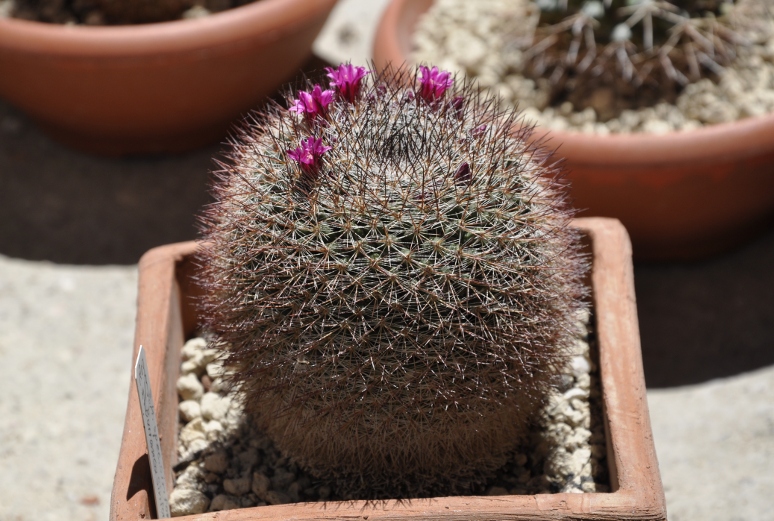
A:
(457, 35)
(224, 458)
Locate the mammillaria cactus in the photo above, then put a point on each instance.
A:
(391, 273)
(647, 49)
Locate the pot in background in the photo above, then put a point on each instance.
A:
(154, 88)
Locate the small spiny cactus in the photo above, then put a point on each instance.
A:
(391, 273)
(643, 49)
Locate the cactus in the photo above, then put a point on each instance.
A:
(391, 274)
(644, 49)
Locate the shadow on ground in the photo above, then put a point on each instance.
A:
(63, 206)
(707, 320)
(698, 321)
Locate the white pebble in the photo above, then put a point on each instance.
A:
(197, 445)
(192, 366)
(189, 387)
(468, 49)
(657, 126)
(216, 462)
(260, 485)
(194, 430)
(189, 410)
(282, 478)
(190, 477)
(575, 393)
(237, 487)
(197, 11)
(185, 501)
(294, 492)
(192, 348)
(214, 406)
(213, 429)
(218, 502)
(580, 458)
(580, 366)
(274, 497)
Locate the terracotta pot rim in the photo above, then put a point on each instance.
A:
(166, 315)
(265, 18)
(704, 145)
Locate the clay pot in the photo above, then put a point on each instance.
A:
(151, 88)
(681, 196)
(166, 316)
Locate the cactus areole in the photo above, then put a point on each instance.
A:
(392, 277)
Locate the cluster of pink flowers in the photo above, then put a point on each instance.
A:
(314, 107)
(346, 80)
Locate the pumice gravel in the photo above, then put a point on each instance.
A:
(224, 462)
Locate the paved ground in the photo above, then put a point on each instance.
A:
(72, 228)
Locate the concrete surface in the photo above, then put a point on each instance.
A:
(65, 344)
(73, 226)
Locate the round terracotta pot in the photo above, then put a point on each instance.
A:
(681, 196)
(162, 87)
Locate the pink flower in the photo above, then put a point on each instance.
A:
(346, 79)
(433, 83)
(457, 105)
(462, 175)
(309, 154)
(314, 104)
(478, 131)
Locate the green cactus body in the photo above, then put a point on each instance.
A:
(394, 295)
(644, 49)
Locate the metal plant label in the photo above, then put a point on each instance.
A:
(151, 435)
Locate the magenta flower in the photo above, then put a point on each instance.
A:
(433, 83)
(346, 79)
(457, 105)
(462, 175)
(314, 104)
(309, 154)
(478, 131)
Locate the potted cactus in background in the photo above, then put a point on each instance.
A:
(393, 279)
(625, 88)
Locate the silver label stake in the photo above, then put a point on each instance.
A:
(151, 434)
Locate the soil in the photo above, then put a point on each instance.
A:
(113, 12)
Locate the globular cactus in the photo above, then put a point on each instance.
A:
(391, 272)
(644, 49)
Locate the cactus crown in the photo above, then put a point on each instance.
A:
(655, 45)
(390, 266)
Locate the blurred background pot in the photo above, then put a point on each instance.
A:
(681, 196)
(153, 88)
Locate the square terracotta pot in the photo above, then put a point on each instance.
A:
(166, 316)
